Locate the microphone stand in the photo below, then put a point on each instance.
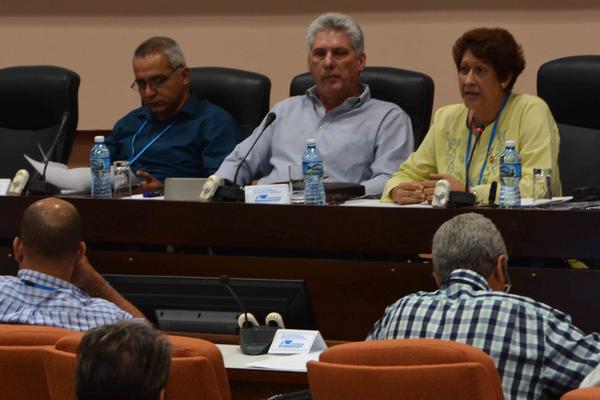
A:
(466, 198)
(41, 187)
(231, 191)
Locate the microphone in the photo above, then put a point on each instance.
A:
(218, 189)
(41, 187)
(492, 196)
(478, 132)
(254, 339)
(18, 183)
(268, 121)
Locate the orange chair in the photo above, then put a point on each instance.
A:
(591, 393)
(30, 335)
(409, 369)
(21, 348)
(197, 369)
(22, 373)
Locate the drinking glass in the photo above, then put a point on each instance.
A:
(542, 184)
(296, 184)
(122, 179)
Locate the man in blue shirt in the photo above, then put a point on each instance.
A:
(174, 133)
(56, 285)
(539, 353)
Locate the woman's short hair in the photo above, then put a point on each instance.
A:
(495, 46)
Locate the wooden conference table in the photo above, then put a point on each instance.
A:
(355, 261)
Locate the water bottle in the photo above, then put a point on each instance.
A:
(100, 168)
(312, 169)
(510, 176)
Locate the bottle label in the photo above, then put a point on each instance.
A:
(312, 168)
(510, 170)
(100, 164)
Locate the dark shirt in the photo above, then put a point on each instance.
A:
(201, 136)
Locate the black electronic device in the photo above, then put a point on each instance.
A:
(172, 295)
(586, 193)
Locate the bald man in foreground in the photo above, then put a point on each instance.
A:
(56, 285)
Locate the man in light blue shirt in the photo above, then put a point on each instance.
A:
(56, 285)
(362, 140)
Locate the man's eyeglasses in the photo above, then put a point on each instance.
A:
(155, 83)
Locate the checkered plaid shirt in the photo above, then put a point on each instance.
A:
(538, 352)
(34, 298)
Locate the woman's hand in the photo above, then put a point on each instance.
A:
(408, 193)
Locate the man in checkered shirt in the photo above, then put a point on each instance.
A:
(537, 350)
(56, 285)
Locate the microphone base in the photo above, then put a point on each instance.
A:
(229, 191)
(42, 188)
(461, 199)
(257, 339)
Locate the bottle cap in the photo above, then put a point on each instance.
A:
(99, 139)
(311, 141)
(510, 143)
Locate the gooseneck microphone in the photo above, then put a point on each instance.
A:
(224, 279)
(40, 186)
(268, 121)
(254, 339)
(478, 132)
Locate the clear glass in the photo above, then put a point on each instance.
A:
(296, 184)
(122, 179)
(542, 184)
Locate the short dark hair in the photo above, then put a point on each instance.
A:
(495, 46)
(128, 360)
(50, 232)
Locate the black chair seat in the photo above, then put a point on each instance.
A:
(245, 95)
(570, 86)
(33, 102)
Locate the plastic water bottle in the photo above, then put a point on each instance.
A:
(510, 176)
(100, 167)
(312, 169)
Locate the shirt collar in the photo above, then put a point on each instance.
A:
(465, 277)
(349, 103)
(190, 108)
(47, 280)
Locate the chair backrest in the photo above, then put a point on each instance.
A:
(30, 335)
(33, 102)
(412, 91)
(591, 393)
(22, 373)
(416, 353)
(462, 381)
(570, 86)
(191, 357)
(245, 95)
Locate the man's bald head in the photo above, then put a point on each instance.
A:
(51, 229)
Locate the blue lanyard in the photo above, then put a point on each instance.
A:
(489, 147)
(154, 139)
(38, 285)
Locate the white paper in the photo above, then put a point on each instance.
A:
(65, 178)
(296, 341)
(4, 184)
(593, 379)
(61, 176)
(529, 202)
(294, 363)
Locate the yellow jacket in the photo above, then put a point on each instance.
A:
(526, 119)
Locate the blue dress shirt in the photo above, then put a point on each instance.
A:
(201, 135)
(34, 298)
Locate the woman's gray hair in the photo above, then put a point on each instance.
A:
(467, 241)
(162, 44)
(339, 23)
